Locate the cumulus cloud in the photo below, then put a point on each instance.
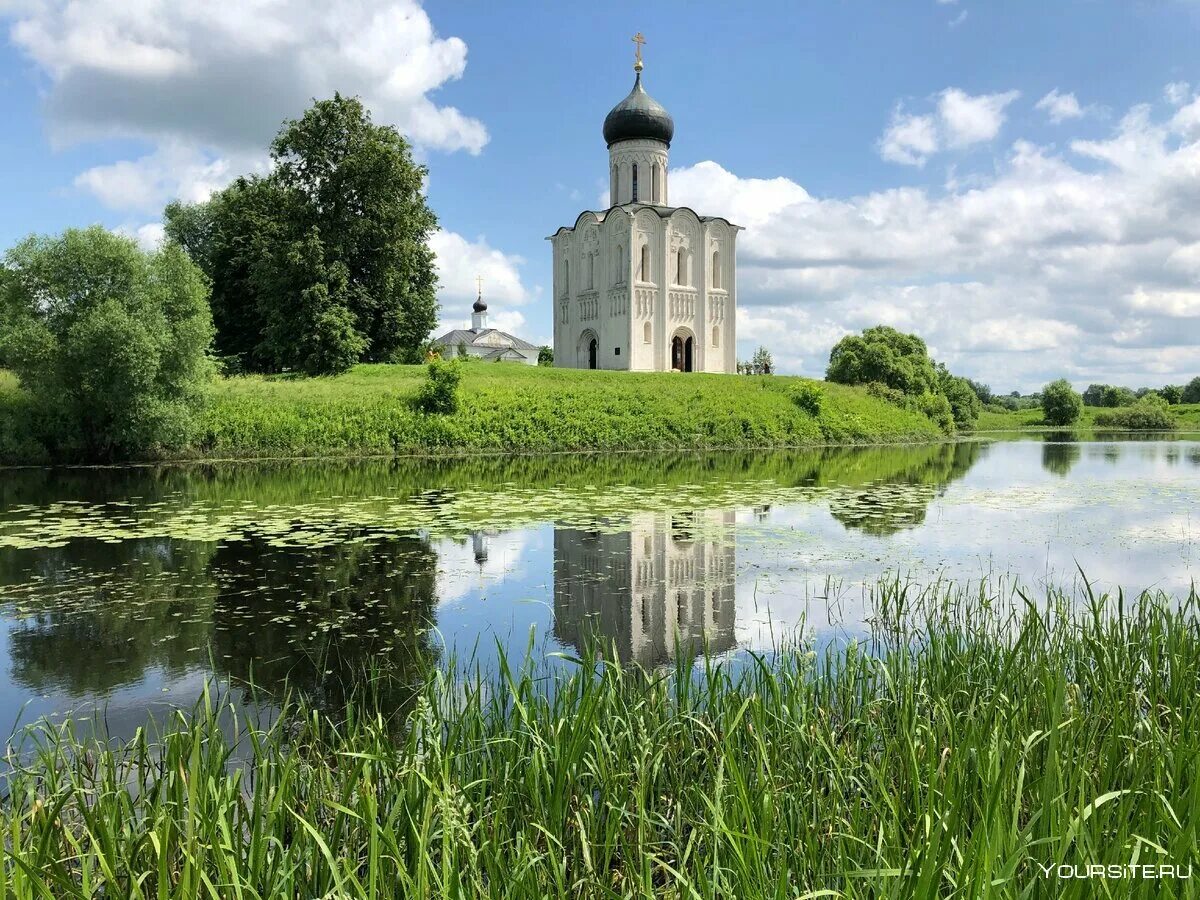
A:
(1060, 107)
(207, 85)
(224, 75)
(1083, 261)
(1176, 93)
(460, 261)
(960, 120)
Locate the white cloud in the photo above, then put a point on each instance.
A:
(909, 139)
(1176, 93)
(1060, 107)
(207, 85)
(972, 119)
(460, 261)
(1083, 262)
(225, 75)
(960, 120)
(149, 236)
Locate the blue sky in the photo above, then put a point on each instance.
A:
(1018, 182)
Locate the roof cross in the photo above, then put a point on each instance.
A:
(639, 40)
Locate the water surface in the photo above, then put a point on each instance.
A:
(122, 590)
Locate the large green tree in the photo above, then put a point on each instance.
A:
(325, 261)
(1060, 404)
(883, 355)
(110, 342)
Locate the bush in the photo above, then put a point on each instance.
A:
(1151, 413)
(808, 397)
(1060, 404)
(438, 393)
(1173, 394)
(545, 356)
(935, 406)
(109, 343)
(964, 401)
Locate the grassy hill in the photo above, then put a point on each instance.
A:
(511, 408)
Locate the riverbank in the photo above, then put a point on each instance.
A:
(1186, 415)
(962, 748)
(510, 408)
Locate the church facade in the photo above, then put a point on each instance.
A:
(644, 286)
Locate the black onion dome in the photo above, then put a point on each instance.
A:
(479, 305)
(638, 117)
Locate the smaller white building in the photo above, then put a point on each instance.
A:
(490, 344)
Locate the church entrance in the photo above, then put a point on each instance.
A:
(592, 353)
(681, 353)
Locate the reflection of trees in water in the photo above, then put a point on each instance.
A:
(92, 616)
(639, 588)
(327, 621)
(900, 498)
(1059, 458)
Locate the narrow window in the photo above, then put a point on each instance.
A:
(645, 262)
(716, 336)
(612, 188)
(634, 182)
(654, 179)
(681, 266)
(566, 285)
(619, 275)
(646, 333)
(716, 281)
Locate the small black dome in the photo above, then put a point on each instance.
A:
(638, 117)
(479, 305)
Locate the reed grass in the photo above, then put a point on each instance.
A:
(970, 738)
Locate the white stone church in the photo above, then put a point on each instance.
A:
(644, 286)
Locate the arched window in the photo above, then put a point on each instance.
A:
(716, 263)
(645, 269)
(646, 333)
(716, 336)
(619, 266)
(566, 284)
(590, 274)
(681, 266)
(612, 188)
(634, 182)
(654, 182)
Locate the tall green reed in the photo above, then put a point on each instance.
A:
(973, 737)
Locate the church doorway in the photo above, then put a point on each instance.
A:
(681, 352)
(592, 353)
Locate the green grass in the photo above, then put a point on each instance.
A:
(966, 742)
(1187, 418)
(510, 408)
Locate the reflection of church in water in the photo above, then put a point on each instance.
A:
(668, 575)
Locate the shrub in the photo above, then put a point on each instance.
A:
(935, 406)
(1060, 404)
(545, 356)
(1173, 394)
(438, 393)
(964, 401)
(1151, 413)
(808, 397)
(109, 342)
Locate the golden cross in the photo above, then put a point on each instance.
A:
(639, 40)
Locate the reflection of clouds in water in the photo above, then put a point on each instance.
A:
(462, 569)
